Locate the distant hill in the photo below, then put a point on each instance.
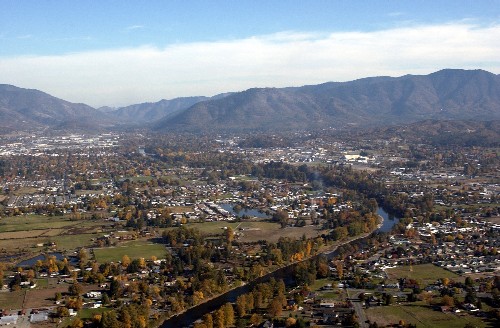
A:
(152, 111)
(27, 109)
(448, 94)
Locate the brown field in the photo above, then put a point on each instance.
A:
(38, 298)
(25, 191)
(31, 234)
(493, 219)
(11, 300)
(272, 232)
(181, 209)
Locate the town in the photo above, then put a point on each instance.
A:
(126, 227)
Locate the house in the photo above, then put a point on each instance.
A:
(39, 317)
(94, 294)
(9, 320)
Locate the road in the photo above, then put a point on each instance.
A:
(353, 295)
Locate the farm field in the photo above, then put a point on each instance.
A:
(251, 231)
(421, 315)
(423, 273)
(133, 249)
(23, 233)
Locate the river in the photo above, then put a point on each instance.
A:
(187, 318)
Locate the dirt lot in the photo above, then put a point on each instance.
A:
(31, 234)
(38, 298)
(494, 219)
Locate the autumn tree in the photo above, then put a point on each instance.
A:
(208, 320)
(126, 261)
(241, 305)
(275, 307)
(219, 321)
(228, 314)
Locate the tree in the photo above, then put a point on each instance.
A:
(83, 256)
(208, 320)
(448, 301)
(105, 299)
(241, 305)
(281, 217)
(255, 319)
(275, 307)
(126, 261)
(62, 311)
(75, 289)
(219, 318)
(445, 281)
(228, 314)
(109, 320)
(229, 234)
(340, 269)
(77, 323)
(290, 322)
(469, 282)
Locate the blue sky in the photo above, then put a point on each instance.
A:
(122, 52)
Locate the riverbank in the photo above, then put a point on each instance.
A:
(188, 316)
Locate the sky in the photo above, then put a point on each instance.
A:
(117, 53)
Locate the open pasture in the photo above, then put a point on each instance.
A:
(133, 249)
(421, 315)
(423, 273)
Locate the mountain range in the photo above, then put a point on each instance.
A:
(449, 94)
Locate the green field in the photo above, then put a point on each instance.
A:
(23, 233)
(423, 273)
(69, 242)
(420, 315)
(133, 249)
(89, 313)
(34, 222)
(42, 222)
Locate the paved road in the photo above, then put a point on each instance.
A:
(353, 295)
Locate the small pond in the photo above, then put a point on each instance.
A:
(244, 211)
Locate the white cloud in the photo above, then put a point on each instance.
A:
(134, 27)
(148, 73)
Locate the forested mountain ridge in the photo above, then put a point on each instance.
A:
(25, 109)
(443, 95)
(450, 94)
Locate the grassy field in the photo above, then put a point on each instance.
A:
(423, 273)
(89, 313)
(74, 241)
(34, 222)
(11, 300)
(272, 232)
(23, 233)
(133, 249)
(251, 231)
(212, 228)
(420, 315)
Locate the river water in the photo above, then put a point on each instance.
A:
(187, 318)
